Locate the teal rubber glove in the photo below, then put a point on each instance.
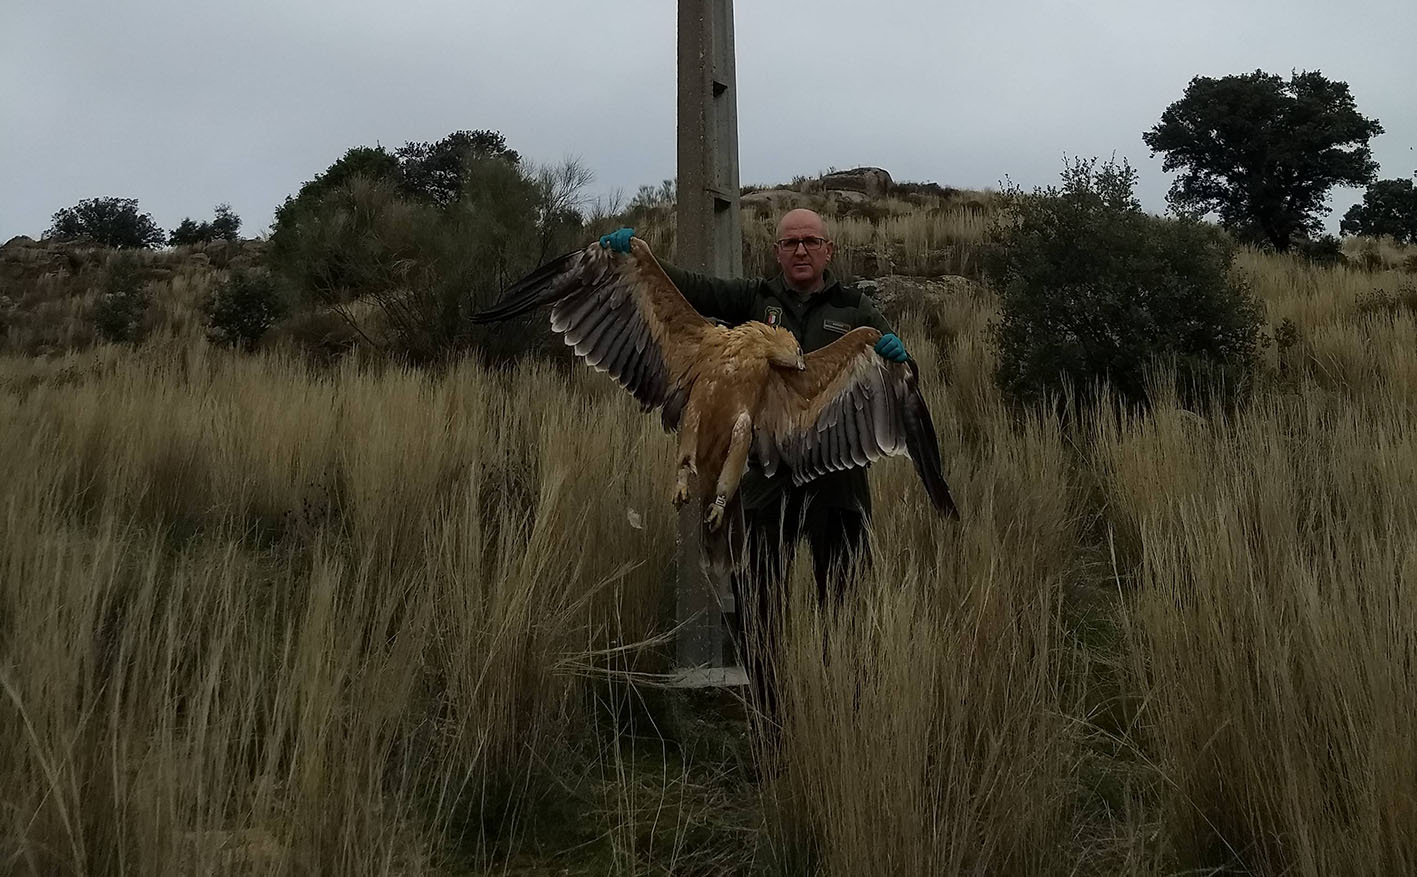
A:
(618, 240)
(891, 348)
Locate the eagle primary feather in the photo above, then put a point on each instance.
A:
(733, 393)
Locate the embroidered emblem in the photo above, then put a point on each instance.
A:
(835, 326)
(774, 315)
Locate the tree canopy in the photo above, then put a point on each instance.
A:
(109, 222)
(426, 234)
(1389, 207)
(225, 226)
(434, 171)
(1263, 153)
(431, 173)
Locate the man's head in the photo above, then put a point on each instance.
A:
(803, 250)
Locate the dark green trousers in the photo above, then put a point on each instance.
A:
(840, 547)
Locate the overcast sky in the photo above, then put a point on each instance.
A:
(186, 104)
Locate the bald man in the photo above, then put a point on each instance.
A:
(831, 511)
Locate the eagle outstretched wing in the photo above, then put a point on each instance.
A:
(850, 407)
(622, 314)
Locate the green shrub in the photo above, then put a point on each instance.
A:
(424, 268)
(241, 310)
(108, 222)
(1094, 290)
(225, 226)
(118, 317)
(1326, 251)
(425, 236)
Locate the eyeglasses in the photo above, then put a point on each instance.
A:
(813, 244)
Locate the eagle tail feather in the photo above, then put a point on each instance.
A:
(923, 446)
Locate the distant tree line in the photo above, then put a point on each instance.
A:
(401, 244)
(118, 223)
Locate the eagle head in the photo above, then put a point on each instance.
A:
(781, 348)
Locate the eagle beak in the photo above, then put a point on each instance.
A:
(801, 364)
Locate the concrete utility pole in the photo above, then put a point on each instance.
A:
(709, 239)
(710, 234)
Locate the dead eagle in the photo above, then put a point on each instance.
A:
(732, 393)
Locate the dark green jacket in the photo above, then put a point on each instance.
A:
(817, 321)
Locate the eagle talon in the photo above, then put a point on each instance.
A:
(714, 518)
(681, 494)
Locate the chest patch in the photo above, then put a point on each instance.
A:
(774, 315)
(836, 326)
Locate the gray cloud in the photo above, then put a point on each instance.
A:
(184, 106)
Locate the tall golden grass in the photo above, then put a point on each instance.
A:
(257, 617)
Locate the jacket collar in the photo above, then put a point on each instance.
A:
(796, 300)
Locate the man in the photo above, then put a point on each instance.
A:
(831, 511)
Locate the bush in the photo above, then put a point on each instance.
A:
(1326, 251)
(423, 265)
(1095, 290)
(240, 310)
(1370, 257)
(118, 318)
(108, 222)
(1388, 305)
(225, 226)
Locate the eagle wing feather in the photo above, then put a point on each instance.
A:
(620, 313)
(849, 408)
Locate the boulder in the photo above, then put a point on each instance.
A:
(894, 292)
(848, 197)
(770, 200)
(874, 182)
(23, 257)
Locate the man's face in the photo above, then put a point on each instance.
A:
(802, 266)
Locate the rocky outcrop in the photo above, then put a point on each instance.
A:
(873, 182)
(771, 200)
(894, 293)
(24, 258)
(848, 197)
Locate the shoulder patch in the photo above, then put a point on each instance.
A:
(774, 315)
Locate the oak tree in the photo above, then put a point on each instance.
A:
(1262, 152)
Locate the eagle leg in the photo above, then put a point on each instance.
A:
(682, 485)
(732, 471)
(688, 453)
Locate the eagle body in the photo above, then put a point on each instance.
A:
(733, 394)
(728, 385)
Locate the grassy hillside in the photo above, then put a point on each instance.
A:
(261, 615)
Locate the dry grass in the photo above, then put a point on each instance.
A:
(261, 618)
(925, 237)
